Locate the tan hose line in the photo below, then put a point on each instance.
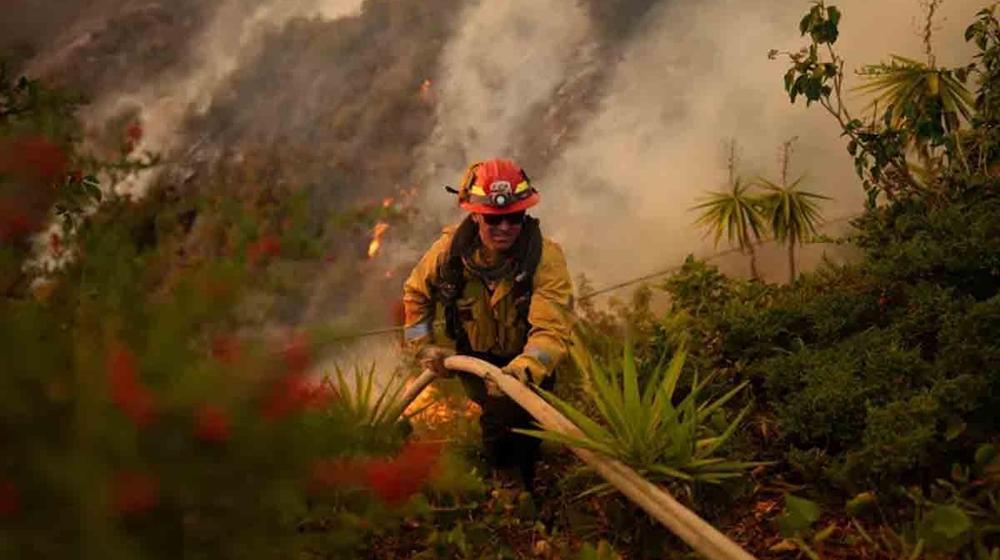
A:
(695, 531)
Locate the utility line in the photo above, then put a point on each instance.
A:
(595, 293)
(711, 257)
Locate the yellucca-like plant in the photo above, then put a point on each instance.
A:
(378, 411)
(663, 441)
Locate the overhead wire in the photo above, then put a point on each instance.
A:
(604, 290)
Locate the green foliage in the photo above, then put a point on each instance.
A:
(732, 213)
(375, 414)
(647, 430)
(799, 515)
(602, 551)
(927, 101)
(791, 213)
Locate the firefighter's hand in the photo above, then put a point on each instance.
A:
(521, 374)
(432, 358)
(494, 390)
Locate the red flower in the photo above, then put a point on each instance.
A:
(296, 356)
(10, 500)
(135, 492)
(293, 393)
(131, 397)
(14, 223)
(226, 349)
(33, 158)
(134, 132)
(265, 246)
(396, 481)
(212, 424)
(285, 396)
(269, 245)
(56, 243)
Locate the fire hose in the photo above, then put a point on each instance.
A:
(657, 502)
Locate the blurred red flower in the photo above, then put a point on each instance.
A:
(135, 492)
(14, 222)
(134, 132)
(56, 243)
(395, 481)
(10, 500)
(226, 349)
(286, 395)
(296, 355)
(131, 397)
(293, 393)
(33, 158)
(212, 424)
(265, 246)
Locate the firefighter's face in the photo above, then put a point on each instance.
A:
(498, 232)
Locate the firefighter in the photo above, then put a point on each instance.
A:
(506, 296)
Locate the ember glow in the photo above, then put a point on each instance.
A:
(376, 242)
(425, 90)
(436, 411)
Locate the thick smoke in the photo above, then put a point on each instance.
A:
(505, 61)
(235, 34)
(695, 74)
(620, 113)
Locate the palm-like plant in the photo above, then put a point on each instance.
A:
(792, 215)
(926, 101)
(905, 85)
(363, 407)
(645, 429)
(735, 214)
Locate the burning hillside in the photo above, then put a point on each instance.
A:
(617, 110)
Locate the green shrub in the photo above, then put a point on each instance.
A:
(918, 312)
(821, 396)
(952, 245)
(900, 438)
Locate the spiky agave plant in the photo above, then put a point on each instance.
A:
(645, 429)
(360, 404)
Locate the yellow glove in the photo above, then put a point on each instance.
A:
(521, 374)
(432, 358)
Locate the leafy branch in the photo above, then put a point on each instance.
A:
(821, 79)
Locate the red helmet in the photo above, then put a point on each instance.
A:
(497, 186)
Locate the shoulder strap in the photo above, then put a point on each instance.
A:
(531, 255)
(452, 282)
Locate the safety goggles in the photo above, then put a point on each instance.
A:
(513, 218)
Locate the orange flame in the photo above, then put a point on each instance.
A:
(387, 202)
(425, 90)
(433, 410)
(376, 242)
